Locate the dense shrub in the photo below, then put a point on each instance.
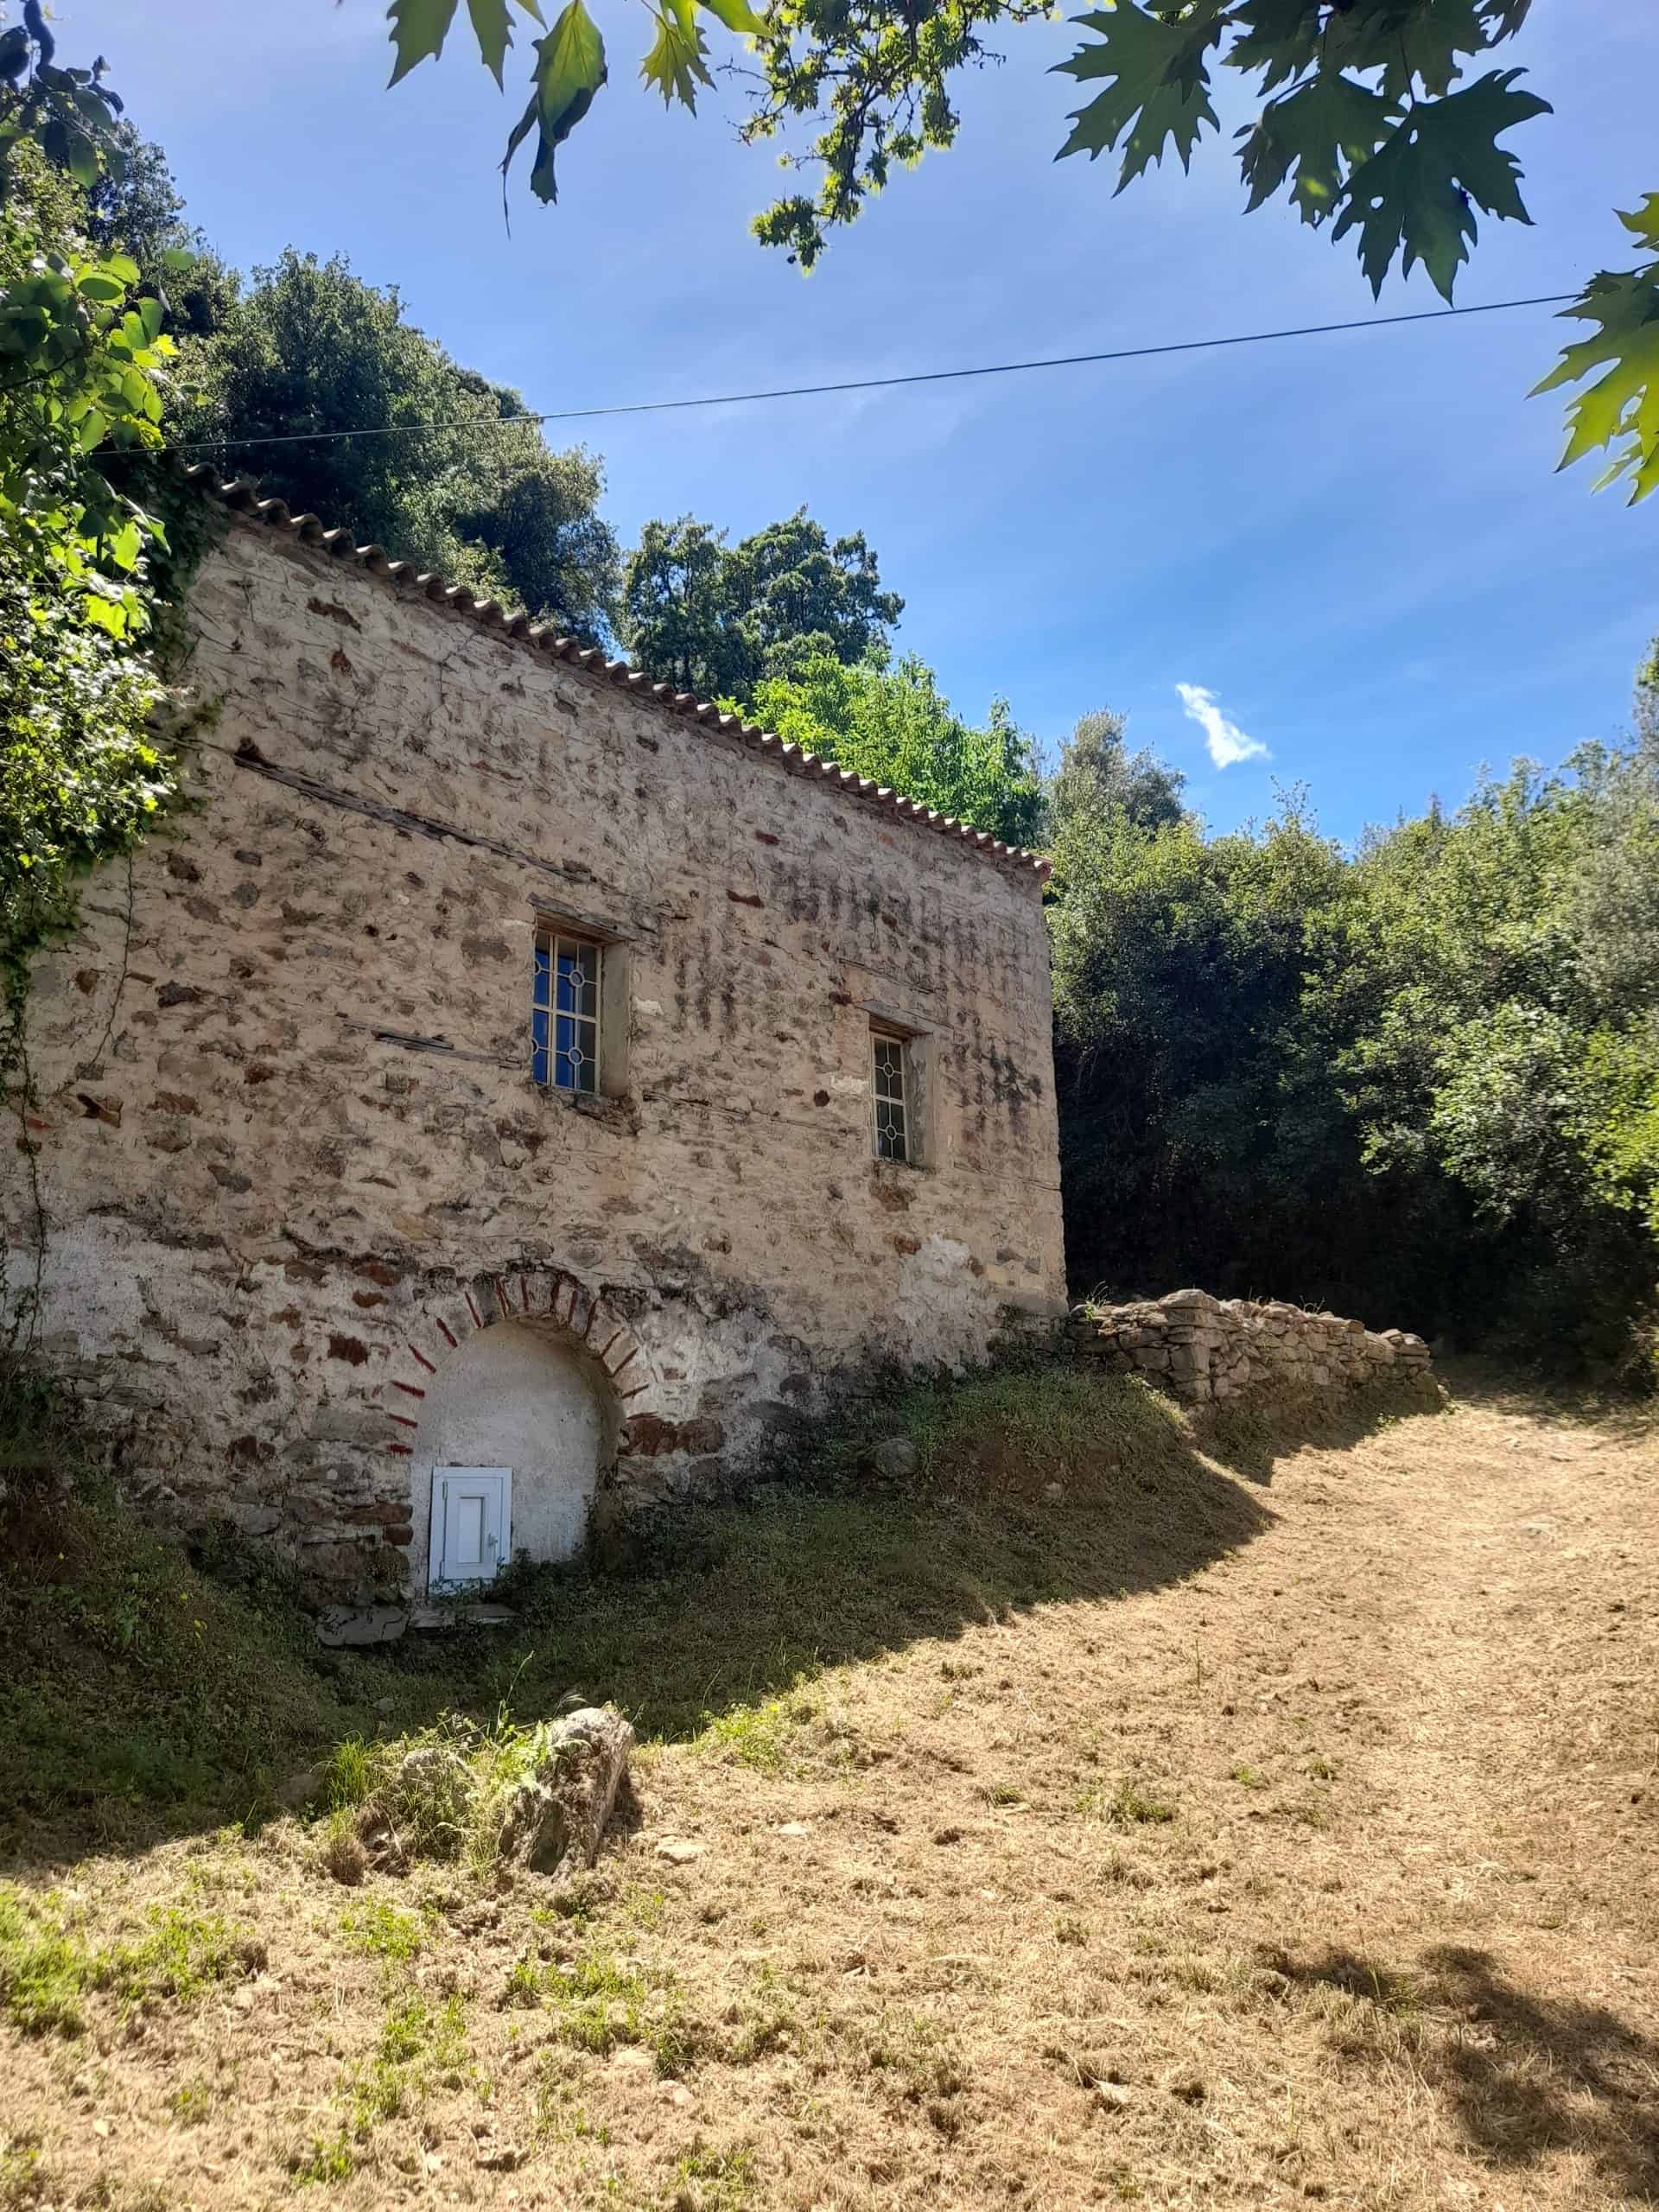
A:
(1419, 1082)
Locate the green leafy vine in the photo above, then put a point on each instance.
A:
(91, 572)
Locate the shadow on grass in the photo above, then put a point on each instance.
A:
(1250, 1441)
(1524, 2073)
(142, 1694)
(1618, 1415)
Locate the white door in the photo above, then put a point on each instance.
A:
(472, 1526)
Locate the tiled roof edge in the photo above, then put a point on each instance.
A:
(242, 497)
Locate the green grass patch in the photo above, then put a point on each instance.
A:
(49, 1966)
(917, 2053)
(439, 1794)
(23, 2180)
(330, 2158)
(419, 2045)
(714, 2181)
(1127, 1806)
(760, 1737)
(383, 1931)
(598, 2004)
(132, 1671)
(1034, 1423)
(191, 2104)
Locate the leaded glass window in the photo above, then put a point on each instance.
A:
(892, 1131)
(564, 1014)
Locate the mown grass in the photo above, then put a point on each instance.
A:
(47, 1967)
(154, 1685)
(420, 2045)
(598, 2003)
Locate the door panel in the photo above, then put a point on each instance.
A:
(471, 1534)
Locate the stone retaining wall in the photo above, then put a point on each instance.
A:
(1203, 1349)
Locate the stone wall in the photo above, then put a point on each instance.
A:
(291, 1156)
(1203, 1349)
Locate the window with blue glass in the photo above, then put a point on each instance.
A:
(564, 1013)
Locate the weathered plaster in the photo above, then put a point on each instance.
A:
(310, 1153)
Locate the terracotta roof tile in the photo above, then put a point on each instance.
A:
(242, 497)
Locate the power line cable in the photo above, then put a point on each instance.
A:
(882, 384)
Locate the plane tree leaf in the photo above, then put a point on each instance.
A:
(492, 29)
(1319, 130)
(1158, 88)
(569, 70)
(676, 63)
(1618, 413)
(737, 15)
(1371, 121)
(1338, 80)
(1416, 195)
(1419, 48)
(418, 30)
(1279, 37)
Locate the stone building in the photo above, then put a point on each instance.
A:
(508, 1086)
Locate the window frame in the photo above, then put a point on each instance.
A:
(553, 938)
(883, 1034)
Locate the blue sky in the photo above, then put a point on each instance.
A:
(1354, 546)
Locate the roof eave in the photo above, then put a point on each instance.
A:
(242, 497)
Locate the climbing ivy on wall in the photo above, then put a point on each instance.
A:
(86, 565)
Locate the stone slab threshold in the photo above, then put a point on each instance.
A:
(339, 1625)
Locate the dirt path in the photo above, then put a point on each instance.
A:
(1327, 1873)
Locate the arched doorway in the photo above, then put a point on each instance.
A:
(517, 1428)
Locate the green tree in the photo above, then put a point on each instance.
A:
(135, 208)
(1204, 1134)
(896, 727)
(718, 619)
(1419, 1082)
(82, 364)
(1645, 716)
(1097, 772)
(1505, 963)
(309, 349)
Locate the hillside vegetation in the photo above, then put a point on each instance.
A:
(1417, 1081)
(1075, 1824)
(143, 1681)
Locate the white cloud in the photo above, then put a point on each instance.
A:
(1227, 742)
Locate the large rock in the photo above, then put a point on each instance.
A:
(893, 1460)
(554, 1820)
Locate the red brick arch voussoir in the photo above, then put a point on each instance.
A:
(556, 1302)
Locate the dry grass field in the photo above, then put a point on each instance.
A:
(1256, 1826)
